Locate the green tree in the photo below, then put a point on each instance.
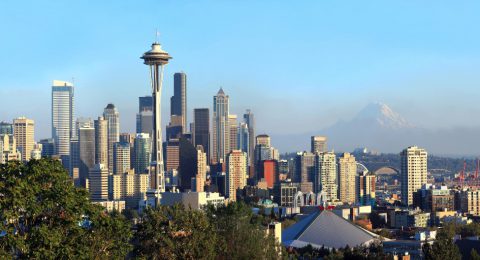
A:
(474, 255)
(175, 233)
(443, 247)
(240, 234)
(44, 216)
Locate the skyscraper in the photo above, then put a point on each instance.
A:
(304, 170)
(233, 125)
(24, 131)
(178, 102)
(236, 173)
(101, 141)
(142, 155)
(63, 118)
(201, 174)
(347, 171)
(110, 114)
(145, 103)
(187, 163)
(249, 119)
(244, 139)
(6, 128)
(220, 127)
(121, 157)
(98, 182)
(326, 174)
(365, 188)
(156, 59)
(201, 135)
(48, 147)
(86, 140)
(318, 144)
(413, 172)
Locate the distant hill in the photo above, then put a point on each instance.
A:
(380, 128)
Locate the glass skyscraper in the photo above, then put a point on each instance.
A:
(63, 120)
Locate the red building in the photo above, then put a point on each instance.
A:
(269, 171)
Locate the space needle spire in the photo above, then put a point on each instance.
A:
(156, 59)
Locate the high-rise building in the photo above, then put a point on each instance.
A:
(469, 201)
(347, 171)
(48, 147)
(304, 170)
(86, 146)
(74, 160)
(172, 150)
(145, 103)
(201, 133)
(110, 114)
(249, 119)
(263, 139)
(232, 143)
(243, 140)
(269, 172)
(23, 131)
(142, 155)
(145, 122)
(201, 175)
(8, 149)
(178, 102)
(98, 182)
(63, 118)
(220, 127)
(319, 144)
(187, 167)
(326, 174)
(6, 128)
(121, 157)
(365, 188)
(101, 141)
(236, 173)
(413, 172)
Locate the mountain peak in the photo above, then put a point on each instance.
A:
(382, 115)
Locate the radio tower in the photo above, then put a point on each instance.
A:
(156, 59)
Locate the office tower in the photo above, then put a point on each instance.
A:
(48, 147)
(236, 173)
(274, 154)
(187, 167)
(145, 103)
(74, 160)
(36, 152)
(142, 155)
(101, 141)
(220, 127)
(174, 127)
(129, 187)
(156, 59)
(263, 140)
(23, 131)
(269, 172)
(6, 128)
(365, 188)
(130, 139)
(243, 142)
(86, 145)
(326, 174)
(83, 122)
(304, 170)
(144, 122)
(121, 157)
(201, 133)
(110, 114)
(232, 143)
(347, 171)
(283, 167)
(178, 102)
(172, 152)
(249, 119)
(8, 149)
(63, 118)
(413, 172)
(319, 144)
(98, 182)
(201, 175)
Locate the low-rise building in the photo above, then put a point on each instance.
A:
(195, 200)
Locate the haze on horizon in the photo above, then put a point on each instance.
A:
(300, 68)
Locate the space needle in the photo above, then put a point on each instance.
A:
(156, 59)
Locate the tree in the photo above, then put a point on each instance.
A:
(44, 216)
(442, 248)
(175, 233)
(241, 236)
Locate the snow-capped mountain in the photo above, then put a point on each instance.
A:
(381, 115)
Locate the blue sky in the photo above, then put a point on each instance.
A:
(300, 66)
